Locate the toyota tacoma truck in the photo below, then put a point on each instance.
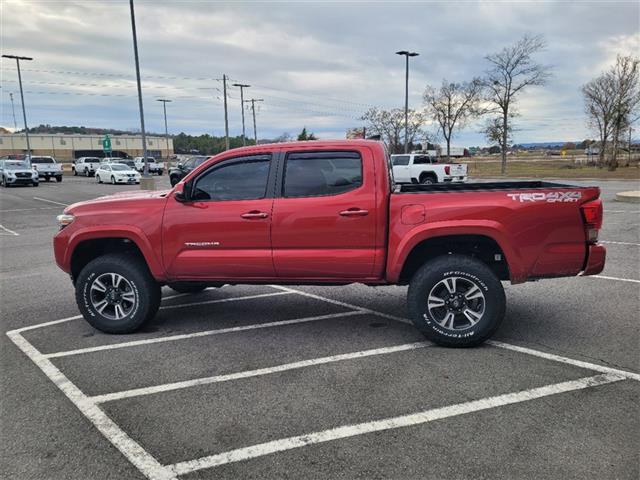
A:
(328, 212)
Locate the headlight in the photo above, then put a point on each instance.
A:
(65, 219)
(11, 174)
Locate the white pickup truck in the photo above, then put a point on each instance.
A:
(47, 167)
(425, 169)
(154, 166)
(86, 166)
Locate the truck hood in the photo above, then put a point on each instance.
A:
(120, 198)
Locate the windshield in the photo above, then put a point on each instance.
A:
(16, 165)
(42, 160)
(119, 166)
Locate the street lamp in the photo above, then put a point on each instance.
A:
(145, 171)
(24, 112)
(166, 130)
(242, 87)
(407, 54)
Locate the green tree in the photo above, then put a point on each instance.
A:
(304, 136)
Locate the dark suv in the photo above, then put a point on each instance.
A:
(178, 172)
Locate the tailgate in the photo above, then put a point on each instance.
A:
(459, 170)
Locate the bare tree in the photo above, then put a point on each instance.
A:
(389, 124)
(512, 70)
(612, 101)
(494, 131)
(452, 105)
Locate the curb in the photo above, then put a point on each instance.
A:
(629, 197)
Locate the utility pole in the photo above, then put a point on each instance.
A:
(242, 87)
(145, 171)
(24, 112)
(407, 54)
(166, 130)
(629, 162)
(253, 110)
(13, 109)
(226, 114)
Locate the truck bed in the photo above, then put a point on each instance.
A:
(479, 186)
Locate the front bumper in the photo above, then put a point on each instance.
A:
(21, 181)
(128, 180)
(596, 256)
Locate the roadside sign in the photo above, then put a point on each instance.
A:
(106, 144)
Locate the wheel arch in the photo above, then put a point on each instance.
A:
(85, 246)
(486, 243)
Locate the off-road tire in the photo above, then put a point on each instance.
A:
(145, 289)
(466, 270)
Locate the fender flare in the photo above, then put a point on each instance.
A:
(129, 232)
(486, 228)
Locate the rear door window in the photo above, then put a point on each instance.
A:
(321, 173)
(400, 160)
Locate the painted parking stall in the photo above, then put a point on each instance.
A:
(100, 411)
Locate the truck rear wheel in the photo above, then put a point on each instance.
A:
(117, 294)
(456, 301)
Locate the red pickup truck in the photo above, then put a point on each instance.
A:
(328, 212)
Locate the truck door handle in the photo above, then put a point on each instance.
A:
(254, 214)
(354, 212)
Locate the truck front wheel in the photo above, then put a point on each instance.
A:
(456, 301)
(116, 293)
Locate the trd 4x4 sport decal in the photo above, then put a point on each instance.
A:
(550, 197)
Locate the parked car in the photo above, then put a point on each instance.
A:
(117, 173)
(111, 159)
(86, 166)
(17, 172)
(328, 212)
(47, 167)
(425, 169)
(154, 166)
(178, 172)
(128, 162)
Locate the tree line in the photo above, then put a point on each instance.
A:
(611, 100)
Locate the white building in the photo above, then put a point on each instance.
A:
(66, 147)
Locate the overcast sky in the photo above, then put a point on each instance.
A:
(319, 65)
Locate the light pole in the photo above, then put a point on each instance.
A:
(253, 110)
(242, 87)
(407, 54)
(13, 109)
(24, 112)
(145, 171)
(166, 130)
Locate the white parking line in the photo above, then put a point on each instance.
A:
(28, 209)
(205, 333)
(224, 300)
(132, 450)
(606, 277)
(343, 304)
(51, 201)
(569, 361)
(167, 387)
(9, 232)
(529, 351)
(620, 243)
(254, 451)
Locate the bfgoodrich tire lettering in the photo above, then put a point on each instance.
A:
(456, 301)
(141, 288)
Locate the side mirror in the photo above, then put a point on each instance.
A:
(180, 165)
(180, 197)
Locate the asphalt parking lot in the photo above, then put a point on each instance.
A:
(314, 382)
